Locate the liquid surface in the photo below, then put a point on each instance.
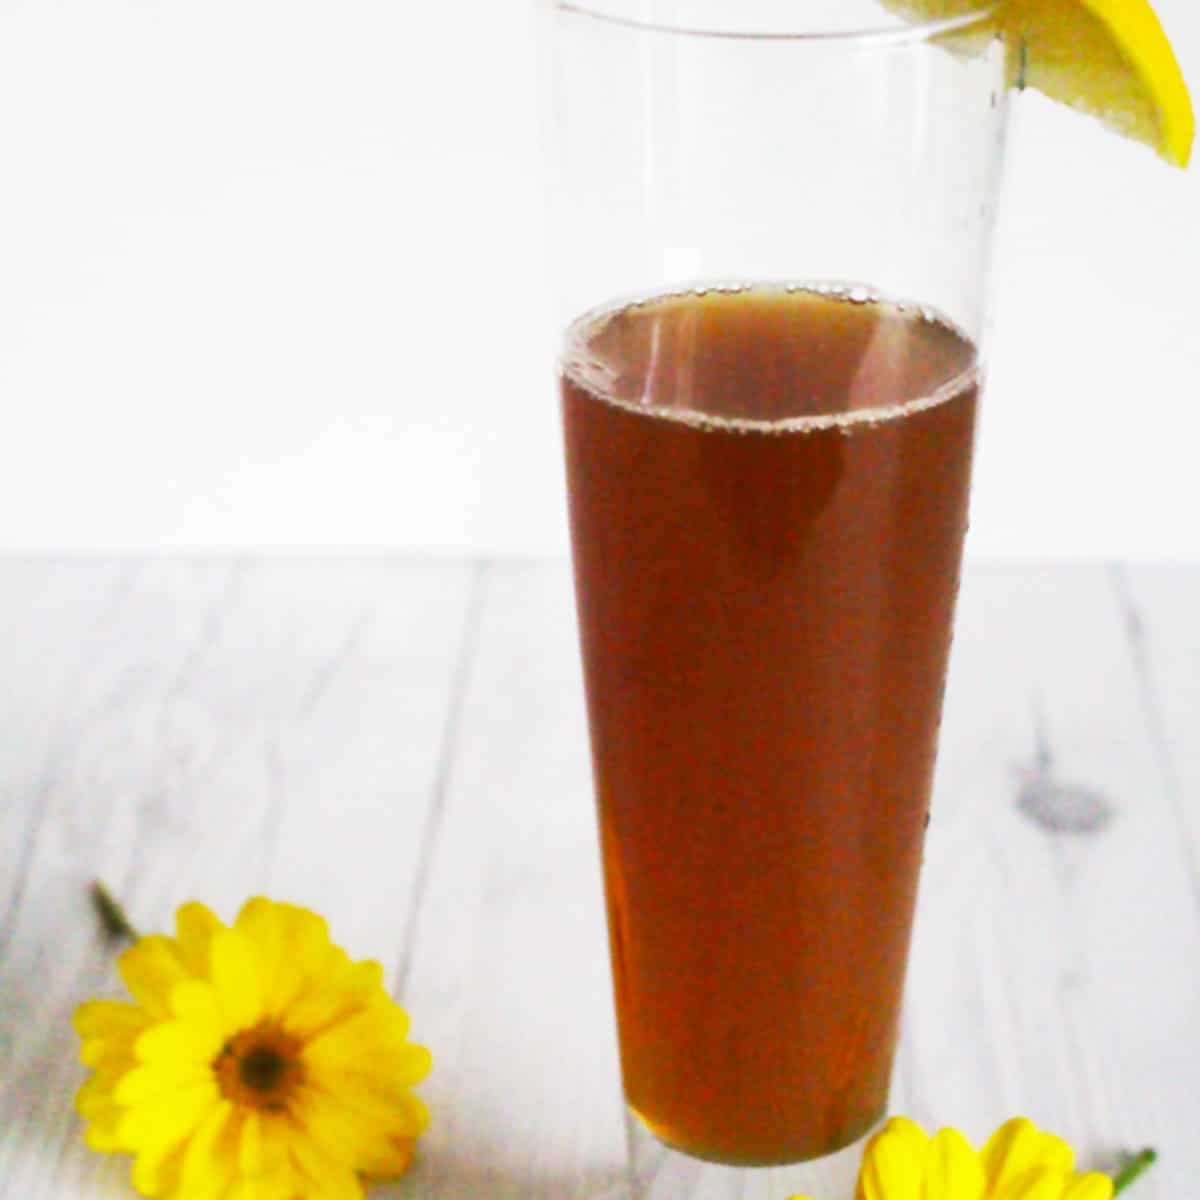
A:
(768, 492)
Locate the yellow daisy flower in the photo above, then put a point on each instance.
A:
(257, 1062)
(1019, 1162)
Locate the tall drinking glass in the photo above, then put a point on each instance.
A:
(772, 225)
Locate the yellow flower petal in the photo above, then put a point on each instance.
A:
(157, 1173)
(331, 1124)
(262, 923)
(388, 1074)
(194, 1002)
(109, 1018)
(101, 1134)
(1012, 1151)
(953, 1170)
(376, 1138)
(109, 1031)
(95, 1104)
(316, 1009)
(96, 1091)
(155, 1128)
(308, 949)
(370, 1044)
(259, 1187)
(210, 1159)
(1054, 1152)
(893, 1166)
(332, 1178)
(159, 1081)
(263, 1149)
(150, 969)
(195, 927)
(108, 1054)
(380, 1111)
(905, 1127)
(1038, 1183)
(393, 1160)
(1092, 1186)
(420, 1113)
(235, 978)
(181, 1042)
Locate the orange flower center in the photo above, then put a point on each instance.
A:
(259, 1068)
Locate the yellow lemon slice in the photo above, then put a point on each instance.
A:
(1109, 58)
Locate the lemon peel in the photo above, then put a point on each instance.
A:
(1110, 59)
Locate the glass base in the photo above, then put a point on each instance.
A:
(656, 1172)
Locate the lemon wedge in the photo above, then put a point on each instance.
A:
(1109, 58)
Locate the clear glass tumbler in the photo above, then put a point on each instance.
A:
(772, 225)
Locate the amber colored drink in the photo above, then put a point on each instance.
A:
(768, 496)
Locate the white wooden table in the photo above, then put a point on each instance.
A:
(401, 745)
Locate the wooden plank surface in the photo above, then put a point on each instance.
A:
(402, 746)
(510, 969)
(1056, 962)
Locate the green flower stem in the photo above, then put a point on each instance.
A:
(1133, 1168)
(113, 921)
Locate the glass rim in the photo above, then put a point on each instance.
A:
(918, 31)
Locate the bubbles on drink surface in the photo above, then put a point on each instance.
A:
(675, 355)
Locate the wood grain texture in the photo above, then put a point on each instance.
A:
(1161, 609)
(1056, 973)
(402, 746)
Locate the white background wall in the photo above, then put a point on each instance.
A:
(271, 276)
